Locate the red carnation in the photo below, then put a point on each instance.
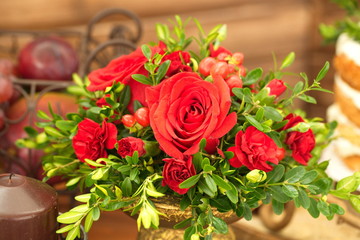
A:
(92, 140)
(301, 143)
(255, 150)
(128, 145)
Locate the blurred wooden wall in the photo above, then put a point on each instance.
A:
(258, 28)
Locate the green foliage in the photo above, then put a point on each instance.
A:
(348, 25)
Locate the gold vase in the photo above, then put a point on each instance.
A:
(170, 206)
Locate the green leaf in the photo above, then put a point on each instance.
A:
(278, 195)
(209, 168)
(298, 87)
(31, 131)
(253, 76)
(307, 98)
(80, 208)
(53, 132)
(183, 223)
(295, 174)
(290, 191)
(188, 232)
(66, 125)
(243, 94)
(184, 203)
(73, 233)
(323, 208)
(273, 114)
(146, 51)
(259, 114)
(276, 174)
(210, 182)
(88, 221)
(355, 202)
(207, 189)
(323, 71)
(232, 193)
(289, 59)
(69, 217)
(126, 187)
(278, 207)
(304, 199)
(336, 209)
(65, 229)
(309, 177)
(96, 213)
(247, 212)
(347, 184)
(313, 210)
(221, 182)
(142, 79)
(323, 185)
(162, 70)
(254, 122)
(83, 198)
(220, 225)
(41, 114)
(191, 181)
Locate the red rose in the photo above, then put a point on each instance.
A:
(277, 87)
(178, 60)
(254, 149)
(120, 70)
(128, 145)
(301, 143)
(92, 140)
(185, 108)
(176, 171)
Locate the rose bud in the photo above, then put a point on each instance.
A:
(128, 145)
(176, 171)
(276, 87)
(256, 176)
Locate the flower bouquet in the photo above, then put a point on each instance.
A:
(193, 125)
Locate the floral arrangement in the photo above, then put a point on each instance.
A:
(195, 125)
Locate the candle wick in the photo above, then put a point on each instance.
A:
(10, 176)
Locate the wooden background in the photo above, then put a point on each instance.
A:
(258, 28)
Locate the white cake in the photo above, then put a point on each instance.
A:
(346, 108)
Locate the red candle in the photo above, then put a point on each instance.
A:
(28, 209)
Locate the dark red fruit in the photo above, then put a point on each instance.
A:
(50, 58)
(6, 88)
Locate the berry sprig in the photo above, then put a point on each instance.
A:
(229, 66)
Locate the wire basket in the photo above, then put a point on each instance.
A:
(124, 32)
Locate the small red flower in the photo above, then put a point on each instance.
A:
(176, 171)
(301, 143)
(127, 146)
(277, 87)
(92, 139)
(255, 150)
